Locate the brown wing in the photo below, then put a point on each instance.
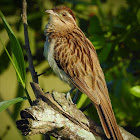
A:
(76, 55)
(100, 75)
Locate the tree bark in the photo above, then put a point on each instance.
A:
(51, 113)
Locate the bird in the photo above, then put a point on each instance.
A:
(73, 58)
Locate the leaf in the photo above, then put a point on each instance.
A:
(5, 104)
(17, 107)
(4, 60)
(18, 59)
(135, 91)
(14, 65)
(105, 52)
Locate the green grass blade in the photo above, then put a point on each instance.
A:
(18, 74)
(18, 59)
(17, 71)
(5, 104)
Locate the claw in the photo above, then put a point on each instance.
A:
(68, 95)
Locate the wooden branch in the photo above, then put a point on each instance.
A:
(27, 45)
(51, 113)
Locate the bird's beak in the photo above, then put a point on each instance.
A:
(51, 12)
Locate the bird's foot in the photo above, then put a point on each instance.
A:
(68, 97)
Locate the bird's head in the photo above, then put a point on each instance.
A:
(61, 18)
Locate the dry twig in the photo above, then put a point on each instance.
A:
(27, 45)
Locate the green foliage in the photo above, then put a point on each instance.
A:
(105, 52)
(4, 58)
(17, 106)
(135, 91)
(18, 59)
(5, 104)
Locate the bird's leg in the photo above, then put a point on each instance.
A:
(68, 94)
(75, 96)
(86, 107)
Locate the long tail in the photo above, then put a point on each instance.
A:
(108, 121)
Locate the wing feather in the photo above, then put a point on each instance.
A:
(78, 59)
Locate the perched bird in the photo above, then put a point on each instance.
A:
(73, 58)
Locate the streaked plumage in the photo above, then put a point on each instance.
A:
(73, 58)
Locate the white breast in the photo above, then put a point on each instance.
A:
(49, 55)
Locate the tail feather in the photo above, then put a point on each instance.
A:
(108, 121)
(103, 122)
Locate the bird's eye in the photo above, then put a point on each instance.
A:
(64, 14)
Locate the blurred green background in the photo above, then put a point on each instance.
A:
(114, 29)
